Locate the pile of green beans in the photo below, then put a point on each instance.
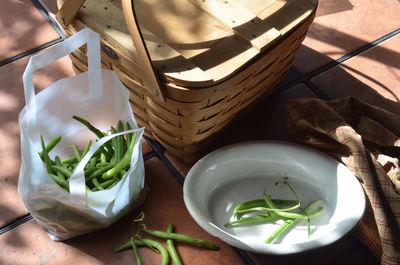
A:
(270, 212)
(167, 253)
(108, 165)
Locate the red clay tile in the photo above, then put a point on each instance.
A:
(164, 204)
(22, 28)
(146, 148)
(343, 26)
(182, 167)
(50, 5)
(372, 76)
(11, 103)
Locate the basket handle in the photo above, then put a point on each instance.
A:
(70, 8)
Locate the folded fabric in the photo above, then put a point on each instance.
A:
(366, 139)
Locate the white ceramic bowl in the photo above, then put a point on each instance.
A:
(241, 172)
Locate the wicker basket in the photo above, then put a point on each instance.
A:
(193, 64)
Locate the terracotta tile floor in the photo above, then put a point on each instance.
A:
(352, 48)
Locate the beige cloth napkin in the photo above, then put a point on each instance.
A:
(367, 140)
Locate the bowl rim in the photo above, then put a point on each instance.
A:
(271, 249)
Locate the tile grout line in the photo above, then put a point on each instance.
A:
(306, 78)
(46, 15)
(159, 152)
(27, 53)
(352, 54)
(15, 223)
(244, 256)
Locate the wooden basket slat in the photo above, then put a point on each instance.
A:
(208, 84)
(259, 33)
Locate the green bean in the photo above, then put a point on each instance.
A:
(103, 151)
(147, 242)
(279, 212)
(93, 129)
(250, 205)
(58, 163)
(124, 162)
(282, 228)
(113, 184)
(103, 158)
(97, 132)
(257, 219)
(291, 222)
(256, 205)
(121, 139)
(102, 164)
(77, 152)
(136, 252)
(128, 136)
(123, 173)
(60, 181)
(115, 143)
(87, 148)
(181, 237)
(294, 193)
(92, 163)
(97, 184)
(46, 157)
(67, 172)
(268, 201)
(53, 142)
(68, 160)
(105, 184)
(171, 248)
(99, 172)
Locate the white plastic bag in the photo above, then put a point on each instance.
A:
(99, 97)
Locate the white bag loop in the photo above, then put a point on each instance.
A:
(77, 186)
(40, 60)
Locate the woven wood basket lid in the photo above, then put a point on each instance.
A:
(197, 43)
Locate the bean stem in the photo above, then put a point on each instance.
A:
(124, 162)
(181, 237)
(291, 222)
(171, 247)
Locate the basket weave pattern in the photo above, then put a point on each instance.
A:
(189, 118)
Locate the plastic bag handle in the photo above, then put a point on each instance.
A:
(77, 182)
(52, 54)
